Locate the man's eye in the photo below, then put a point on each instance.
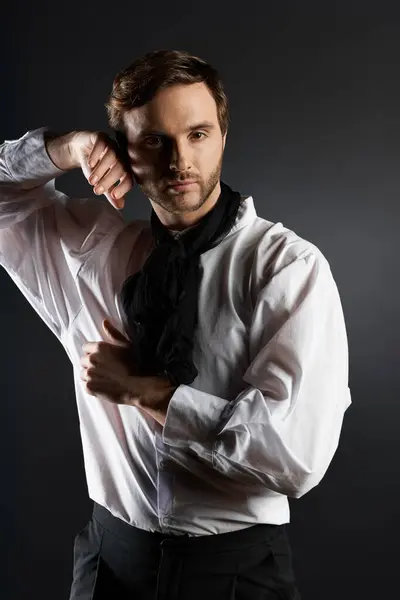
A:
(153, 142)
(198, 135)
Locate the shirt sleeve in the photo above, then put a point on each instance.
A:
(46, 236)
(283, 429)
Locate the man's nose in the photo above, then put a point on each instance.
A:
(180, 157)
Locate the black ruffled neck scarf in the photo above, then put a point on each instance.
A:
(160, 302)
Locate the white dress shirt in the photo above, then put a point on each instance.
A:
(262, 419)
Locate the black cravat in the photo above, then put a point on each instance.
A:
(160, 302)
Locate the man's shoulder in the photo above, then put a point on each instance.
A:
(277, 245)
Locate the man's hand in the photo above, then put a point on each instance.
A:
(99, 157)
(108, 373)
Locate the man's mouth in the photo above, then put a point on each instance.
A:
(182, 185)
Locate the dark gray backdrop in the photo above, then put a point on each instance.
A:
(315, 102)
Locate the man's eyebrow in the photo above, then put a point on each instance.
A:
(197, 126)
(203, 125)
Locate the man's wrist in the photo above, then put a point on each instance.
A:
(59, 150)
(150, 390)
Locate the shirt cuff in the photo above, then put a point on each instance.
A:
(28, 156)
(192, 417)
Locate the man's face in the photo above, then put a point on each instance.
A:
(177, 137)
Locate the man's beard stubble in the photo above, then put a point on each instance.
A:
(175, 204)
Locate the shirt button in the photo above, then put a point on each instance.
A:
(163, 463)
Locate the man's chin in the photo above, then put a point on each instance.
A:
(185, 201)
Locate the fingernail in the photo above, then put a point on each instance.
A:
(95, 178)
(100, 189)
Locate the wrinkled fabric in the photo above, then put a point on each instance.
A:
(262, 419)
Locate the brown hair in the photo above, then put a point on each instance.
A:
(138, 84)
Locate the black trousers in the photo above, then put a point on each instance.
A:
(115, 561)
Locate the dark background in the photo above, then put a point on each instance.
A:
(315, 138)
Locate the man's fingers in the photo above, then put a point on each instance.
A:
(123, 187)
(116, 203)
(116, 194)
(106, 162)
(90, 347)
(101, 145)
(85, 361)
(110, 178)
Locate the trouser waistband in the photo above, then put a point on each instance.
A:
(240, 539)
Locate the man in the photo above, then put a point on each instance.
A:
(209, 346)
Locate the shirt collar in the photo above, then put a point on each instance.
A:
(245, 215)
